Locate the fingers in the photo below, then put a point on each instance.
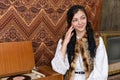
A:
(69, 34)
(71, 29)
(72, 34)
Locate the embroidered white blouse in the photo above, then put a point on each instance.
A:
(100, 72)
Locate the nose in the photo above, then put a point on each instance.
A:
(79, 21)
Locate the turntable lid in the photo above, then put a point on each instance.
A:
(16, 58)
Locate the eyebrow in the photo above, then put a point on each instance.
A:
(80, 16)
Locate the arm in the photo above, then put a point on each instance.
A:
(100, 71)
(59, 62)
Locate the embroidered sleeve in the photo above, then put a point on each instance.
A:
(100, 71)
(59, 64)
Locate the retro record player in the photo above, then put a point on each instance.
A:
(17, 60)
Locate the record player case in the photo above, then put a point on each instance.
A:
(18, 58)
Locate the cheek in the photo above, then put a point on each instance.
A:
(74, 25)
(85, 21)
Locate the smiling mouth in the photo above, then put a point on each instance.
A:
(80, 26)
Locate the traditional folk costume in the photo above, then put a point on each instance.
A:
(83, 67)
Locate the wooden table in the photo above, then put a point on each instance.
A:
(49, 73)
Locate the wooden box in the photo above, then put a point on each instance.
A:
(18, 58)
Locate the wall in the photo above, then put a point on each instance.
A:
(110, 15)
(41, 21)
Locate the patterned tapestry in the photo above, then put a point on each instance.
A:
(41, 21)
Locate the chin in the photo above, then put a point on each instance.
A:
(81, 30)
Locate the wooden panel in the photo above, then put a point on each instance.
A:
(41, 21)
(16, 58)
(110, 15)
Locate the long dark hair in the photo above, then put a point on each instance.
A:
(71, 45)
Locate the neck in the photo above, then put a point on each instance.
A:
(80, 34)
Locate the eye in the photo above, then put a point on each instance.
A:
(74, 20)
(83, 17)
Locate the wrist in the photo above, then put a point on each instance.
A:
(65, 42)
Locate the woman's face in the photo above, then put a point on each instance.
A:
(79, 21)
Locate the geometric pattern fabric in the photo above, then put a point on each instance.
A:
(41, 21)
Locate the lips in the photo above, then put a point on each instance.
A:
(80, 26)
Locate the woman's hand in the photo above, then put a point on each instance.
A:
(68, 35)
(67, 38)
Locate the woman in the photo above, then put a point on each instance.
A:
(80, 54)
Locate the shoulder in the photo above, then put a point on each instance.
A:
(101, 40)
(60, 40)
(59, 43)
(97, 38)
(96, 35)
